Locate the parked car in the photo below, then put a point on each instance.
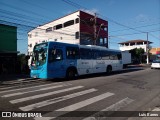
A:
(155, 64)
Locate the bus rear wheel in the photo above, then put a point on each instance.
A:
(71, 74)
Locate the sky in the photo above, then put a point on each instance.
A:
(127, 19)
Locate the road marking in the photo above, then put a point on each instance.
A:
(156, 109)
(119, 104)
(47, 88)
(113, 107)
(44, 95)
(6, 88)
(76, 106)
(22, 80)
(55, 100)
(29, 87)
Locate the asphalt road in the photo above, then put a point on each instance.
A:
(94, 95)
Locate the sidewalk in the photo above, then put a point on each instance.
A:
(9, 77)
(139, 65)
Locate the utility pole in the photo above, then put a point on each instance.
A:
(95, 29)
(147, 50)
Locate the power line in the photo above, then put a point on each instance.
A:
(26, 17)
(131, 28)
(68, 30)
(137, 27)
(135, 33)
(27, 26)
(78, 5)
(27, 11)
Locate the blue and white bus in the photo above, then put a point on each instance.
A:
(60, 60)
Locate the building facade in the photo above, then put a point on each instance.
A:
(155, 51)
(8, 49)
(132, 44)
(76, 28)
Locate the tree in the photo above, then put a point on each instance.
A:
(137, 55)
(22, 63)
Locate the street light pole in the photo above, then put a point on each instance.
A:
(95, 29)
(147, 50)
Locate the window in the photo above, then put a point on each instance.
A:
(54, 27)
(85, 53)
(119, 55)
(105, 29)
(68, 23)
(30, 45)
(105, 40)
(55, 55)
(96, 54)
(49, 29)
(101, 41)
(36, 34)
(77, 20)
(112, 57)
(86, 39)
(115, 56)
(58, 26)
(105, 55)
(72, 53)
(77, 35)
(30, 35)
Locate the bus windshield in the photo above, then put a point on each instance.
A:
(39, 57)
(158, 57)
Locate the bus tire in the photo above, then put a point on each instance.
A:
(109, 69)
(71, 74)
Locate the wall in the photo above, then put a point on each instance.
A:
(124, 48)
(87, 30)
(65, 34)
(8, 38)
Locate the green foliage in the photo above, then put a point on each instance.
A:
(137, 54)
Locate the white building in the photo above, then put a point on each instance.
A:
(75, 28)
(132, 44)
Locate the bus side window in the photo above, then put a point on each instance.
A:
(115, 56)
(55, 55)
(85, 53)
(72, 53)
(96, 54)
(119, 56)
(105, 55)
(112, 56)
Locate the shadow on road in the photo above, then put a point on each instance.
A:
(97, 75)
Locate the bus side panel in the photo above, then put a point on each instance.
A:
(84, 66)
(99, 66)
(56, 69)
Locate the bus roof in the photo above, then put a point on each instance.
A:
(82, 46)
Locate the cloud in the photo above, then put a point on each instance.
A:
(141, 18)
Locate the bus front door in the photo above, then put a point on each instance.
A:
(56, 67)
